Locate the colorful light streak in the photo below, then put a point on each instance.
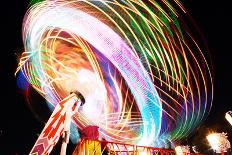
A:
(144, 78)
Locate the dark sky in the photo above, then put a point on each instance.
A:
(18, 125)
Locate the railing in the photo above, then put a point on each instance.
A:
(96, 147)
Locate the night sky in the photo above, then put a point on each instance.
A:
(19, 126)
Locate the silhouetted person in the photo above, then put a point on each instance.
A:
(104, 147)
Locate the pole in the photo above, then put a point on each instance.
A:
(68, 119)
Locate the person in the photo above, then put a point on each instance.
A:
(104, 147)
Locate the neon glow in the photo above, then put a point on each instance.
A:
(218, 142)
(144, 78)
(228, 117)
